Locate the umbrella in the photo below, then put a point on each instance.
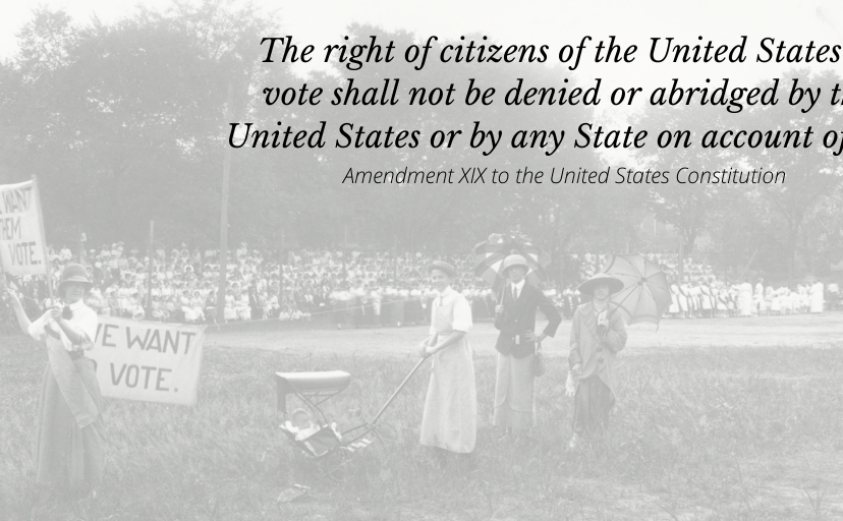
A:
(489, 255)
(645, 294)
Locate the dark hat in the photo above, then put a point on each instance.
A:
(587, 287)
(75, 273)
(444, 267)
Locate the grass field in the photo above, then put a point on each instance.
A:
(716, 419)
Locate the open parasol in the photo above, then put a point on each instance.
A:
(489, 255)
(645, 294)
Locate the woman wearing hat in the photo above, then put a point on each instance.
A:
(597, 334)
(70, 442)
(449, 421)
(515, 318)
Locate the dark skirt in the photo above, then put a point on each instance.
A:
(68, 457)
(592, 403)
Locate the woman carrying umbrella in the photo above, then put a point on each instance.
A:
(449, 422)
(517, 344)
(597, 334)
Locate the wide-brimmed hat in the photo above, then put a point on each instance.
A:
(442, 266)
(587, 287)
(75, 273)
(514, 260)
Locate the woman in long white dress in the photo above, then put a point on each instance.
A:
(449, 422)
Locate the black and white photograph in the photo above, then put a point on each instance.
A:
(440, 261)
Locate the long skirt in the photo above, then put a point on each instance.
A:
(449, 420)
(68, 457)
(592, 403)
(515, 392)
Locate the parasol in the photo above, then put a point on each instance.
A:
(645, 294)
(489, 255)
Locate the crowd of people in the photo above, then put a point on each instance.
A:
(715, 299)
(349, 289)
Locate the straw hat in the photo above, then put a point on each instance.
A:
(587, 287)
(444, 267)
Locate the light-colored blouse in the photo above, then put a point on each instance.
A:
(461, 312)
(84, 321)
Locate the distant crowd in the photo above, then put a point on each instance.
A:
(705, 295)
(366, 289)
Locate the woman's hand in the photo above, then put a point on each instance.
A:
(10, 294)
(55, 312)
(530, 336)
(423, 347)
(602, 325)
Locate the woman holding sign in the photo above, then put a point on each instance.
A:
(70, 438)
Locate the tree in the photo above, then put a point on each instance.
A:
(812, 173)
(687, 208)
(126, 120)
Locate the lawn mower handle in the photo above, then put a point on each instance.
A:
(398, 390)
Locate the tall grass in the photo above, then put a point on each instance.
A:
(696, 434)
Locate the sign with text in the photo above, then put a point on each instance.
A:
(21, 240)
(148, 361)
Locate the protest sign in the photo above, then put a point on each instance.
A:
(21, 237)
(148, 361)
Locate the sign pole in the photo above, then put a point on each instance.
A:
(223, 256)
(150, 251)
(394, 259)
(47, 261)
(282, 284)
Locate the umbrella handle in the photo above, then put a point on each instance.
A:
(500, 298)
(611, 311)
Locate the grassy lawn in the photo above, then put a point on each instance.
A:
(754, 433)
